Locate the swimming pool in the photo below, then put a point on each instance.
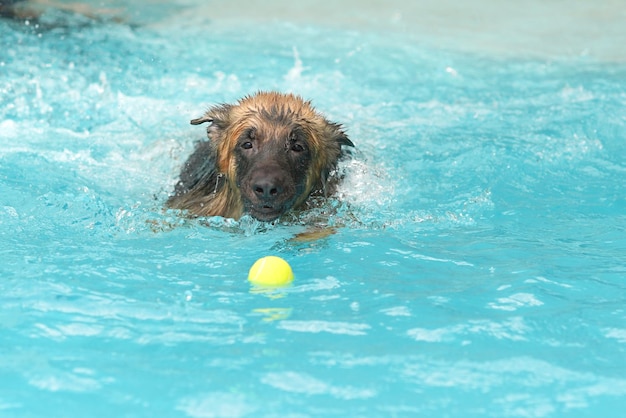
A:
(480, 269)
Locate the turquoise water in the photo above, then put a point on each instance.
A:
(478, 270)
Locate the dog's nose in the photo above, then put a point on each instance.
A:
(267, 188)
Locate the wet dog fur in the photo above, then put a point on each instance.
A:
(265, 156)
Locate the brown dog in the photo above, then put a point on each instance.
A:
(265, 156)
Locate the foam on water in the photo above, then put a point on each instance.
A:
(476, 266)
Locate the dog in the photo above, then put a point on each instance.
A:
(266, 155)
(27, 10)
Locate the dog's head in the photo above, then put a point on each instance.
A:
(275, 149)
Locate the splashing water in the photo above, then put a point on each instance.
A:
(476, 261)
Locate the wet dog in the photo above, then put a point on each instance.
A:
(265, 155)
(34, 10)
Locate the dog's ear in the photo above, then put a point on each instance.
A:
(218, 116)
(343, 139)
(199, 121)
(338, 135)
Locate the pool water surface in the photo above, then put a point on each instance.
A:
(478, 263)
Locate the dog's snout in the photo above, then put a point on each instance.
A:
(269, 191)
(267, 187)
(268, 182)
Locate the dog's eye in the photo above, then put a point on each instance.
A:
(295, 144)
(296, 147)
(247, 139)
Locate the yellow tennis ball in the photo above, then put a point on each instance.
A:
(270, 271)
